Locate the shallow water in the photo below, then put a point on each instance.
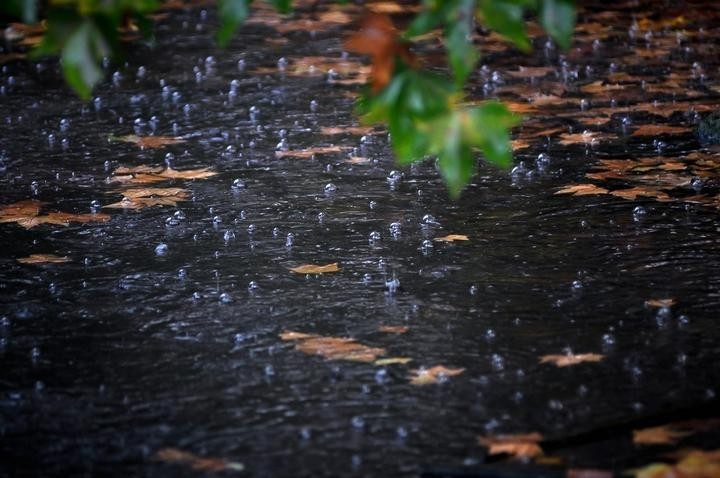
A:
(123, 351)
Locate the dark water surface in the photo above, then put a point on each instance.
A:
(124, 351)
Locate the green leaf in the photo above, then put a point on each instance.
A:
(434, 14)
(232, 14)
(488, 128)
(455, 156)
(22, 9)
(462, 54)
(506, 17)
(81, 57)
(558, 19)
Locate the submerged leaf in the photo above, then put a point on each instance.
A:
(309, 152)
(316, 269)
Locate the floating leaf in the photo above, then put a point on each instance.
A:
(27, 214)
(659, 303)
(393, 329)
(316, 269)
(658, 129)
(695, 464)
(393, 361)
(333, 348)
(570, 359)
(436, 374)
(180, 457)
(148, 142)
(634, 193)
(582, 190)
(140, 198)
(518, 446)
(586, 137)
(309, 152)
(354, 130)
(43, 259)
(662, 435)
(452, 238)
(151, 174)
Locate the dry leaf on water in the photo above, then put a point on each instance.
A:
(694, 464)
(634, 193)
(180, 457)
(353, 130)
(27, 214)
(151, 174)
(139, 198)
(518, 446)
(393, 361)
(582, 190)
(657, 129)
(309, 152)
(662, 435)
(148, 142)
(393, 329)
(659, 303)
(570, 359)
(316, 269)
(586, 137)
(436, 374)
(333, 348)
(452, 238)
(43, 259)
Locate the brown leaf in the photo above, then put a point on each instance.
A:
(586, 137)
(695, 464)
(582, 190)
(393, 361)
(634, 193)
(531, 71)
(662, 435)
(159, 192)
(333, 348)
(200, 173)
(138, 169)
(353, 130)
(316, 269)
(28, 207)
(518, 446)
(659, 303)
(63, 217)
(43, 258)
(393, 329)
(452, 238)
(570, 359)
(180, 457)
(436, 374)
(26, 214)
(598, 87)
(148, 142)
(658, 129)
(378, 37)
(309, 152)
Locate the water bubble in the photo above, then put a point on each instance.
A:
(381, 376)
(161, 249)
(251, 228)
(252, 285)
(497, 362)
(176, 96)
(238, 184)
(241, 65)
(375, 236)
(217, 220)
(392, 285)
(282, 145)
(290, 240)
(372, 204)
(395, 229)
(225, 298)
(639, 212)
(542, 160)
(182, 274)
(116, 78)
(394, 178)
(577, 285)
(473, 289)
(169, 158)
(357, 422)
(426, 246)
(282, 63)
(429, 220)
(313, 106)
(254, 112)
(489, 334)
(229, 236)
(367, 278)
(330, 188)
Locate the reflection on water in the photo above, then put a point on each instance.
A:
(164, 329)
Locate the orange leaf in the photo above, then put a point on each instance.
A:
(316, 269)
(452, 238)
(43, 259)
(518, 446)
(662, 435)
(436, 374)
(570, 359)
(659, 303)
(657, 129)
(393, 329)
(582, 190)
(333, 348)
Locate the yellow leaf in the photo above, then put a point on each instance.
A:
(436, 374)
(393, 360)
(570, 359)
(518, 446)
(452, 238)
(43, 258)
(316, 269)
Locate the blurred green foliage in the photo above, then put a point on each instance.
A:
(424, 111)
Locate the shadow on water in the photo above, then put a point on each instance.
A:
(129, 349)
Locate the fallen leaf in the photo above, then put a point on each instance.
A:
(658, 129)
(57, 217)
(148, 142)
(316, 269)
(634, 193)
(393, 360)
(200, 173)
(151, 174)
(43, 258)
(524, 446)
(586, 137)
(531, 71)
(659, 303)
(333, 348)
(149, 192)
(598, 87)
(582, 190)
(452, 238)
(354, 130)
(138, 169)
(180, 457)
(27, 214)
(695, 464)
(28, 207)
(570, 359)
(436, 374)
(662, 435)
(588, 473)
(393, 329)
(309, 152)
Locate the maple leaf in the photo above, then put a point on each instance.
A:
(570, 359)
(452, 238)
(333, 348)
(316, 269)
(436, 374)
(523, 446)
(181, 457)
(662, 435)
(148, 142)
(378, 37)
(43, 259)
